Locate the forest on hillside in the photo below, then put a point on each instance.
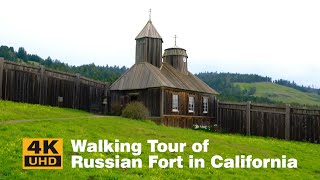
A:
(225, 84)
(222, 82)
(101, 73)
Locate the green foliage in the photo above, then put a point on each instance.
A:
(281, 94)
(127, 130)
(135, 110)
(8, 53)
(295, 86)
(230, 86)
(251, 91)
(101, 73)
(22, 54)
(224, 83)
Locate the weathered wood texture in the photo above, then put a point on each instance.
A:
(153, 97)
(183, 102)
(149, 97)
(144, 75)
(273, 121)
(149, 45)
(177, 58)
(149, 50)
(37, 85)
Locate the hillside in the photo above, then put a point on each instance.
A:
(281, 93)
(22, 111)
(101, 73)
(82, 125)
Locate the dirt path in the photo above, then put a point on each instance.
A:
(47, 119)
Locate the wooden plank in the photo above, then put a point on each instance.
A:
(162, 102)
(232, 108)
(232, 103)
(41, 85)
(248, 114)
(287, 122)
(76, 95)
(265, 111)
(1, 75)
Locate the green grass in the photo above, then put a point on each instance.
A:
(282, 93)
(22, 111)
(127, 130)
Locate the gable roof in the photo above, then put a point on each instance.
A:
(149, 31)
(144, 75)
(185, 81)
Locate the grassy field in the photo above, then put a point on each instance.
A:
(282, 93)
(21, 111)
(127, 130)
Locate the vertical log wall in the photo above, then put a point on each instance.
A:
(37, 85)
(283, 122)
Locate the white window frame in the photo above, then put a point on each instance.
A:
(205, 104)
(191, 104)
(175, 103)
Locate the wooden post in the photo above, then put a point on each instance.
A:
(162, 106)
(217, 113)
(41, 85)
(287, 122)
(1, 75)
(248, 112)
(76, 100)
(161, 103)
(105, 103)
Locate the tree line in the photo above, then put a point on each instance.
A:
(101, 73)
(297, 87)
(224, 84)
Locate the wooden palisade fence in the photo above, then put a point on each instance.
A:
(283, 122)
(37, 85)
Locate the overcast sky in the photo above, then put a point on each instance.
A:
(277, 38)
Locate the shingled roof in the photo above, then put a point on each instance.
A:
(149, 31)
(144, 75)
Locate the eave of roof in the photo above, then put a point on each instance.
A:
(144, 75)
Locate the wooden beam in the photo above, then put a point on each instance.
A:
(76, 96)
(287, 122)
(106, 97)
(265, 111)
(161, 102)
(1, 75)
(217, 113)
(41, 85)
(248, 112)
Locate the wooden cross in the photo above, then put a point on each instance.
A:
(175, 40)
(149, 14)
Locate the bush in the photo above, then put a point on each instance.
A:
(116, 109)
(135, 110)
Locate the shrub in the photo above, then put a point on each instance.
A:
(116, 109)
(135, 110)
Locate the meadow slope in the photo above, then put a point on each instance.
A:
(129, 130)
(281, 93)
